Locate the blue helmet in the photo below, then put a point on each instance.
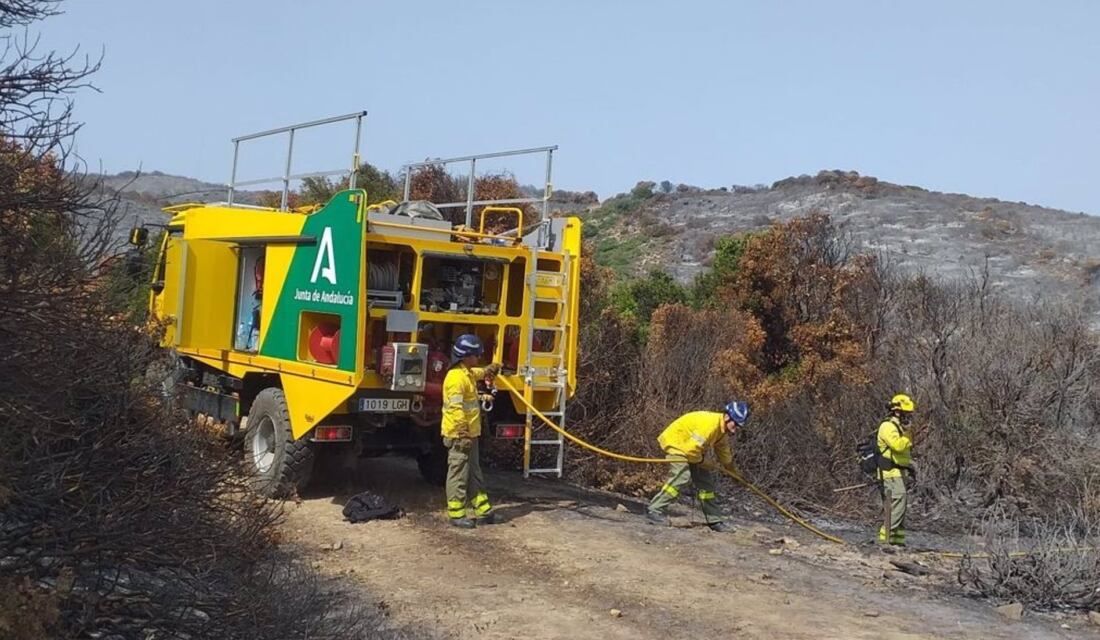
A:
(737, 411)
(467, 345)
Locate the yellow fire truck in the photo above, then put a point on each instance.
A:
(309, 331)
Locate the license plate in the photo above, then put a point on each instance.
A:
(383, 405)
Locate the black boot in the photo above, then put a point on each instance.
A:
(488, 518)
(463, 523)
(722, 527)
(656, 518)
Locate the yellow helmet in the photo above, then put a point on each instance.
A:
(903, 403)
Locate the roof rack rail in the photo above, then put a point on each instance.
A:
(287, 176)
(470, 202)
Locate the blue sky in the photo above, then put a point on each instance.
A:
(993, 98)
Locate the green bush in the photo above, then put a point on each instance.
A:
(727, 259)
(616, 254)
(638, 299)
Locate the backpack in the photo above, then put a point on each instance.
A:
(871, 460)
(367, 506)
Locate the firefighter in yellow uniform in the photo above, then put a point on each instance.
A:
(685, 441)
(461, 428)
(894, 447)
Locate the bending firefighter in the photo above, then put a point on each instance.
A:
(461, 428)
(894, 446)
(685, 441)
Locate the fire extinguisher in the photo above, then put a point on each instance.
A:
(386, 361)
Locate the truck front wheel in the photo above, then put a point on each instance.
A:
(280, 464)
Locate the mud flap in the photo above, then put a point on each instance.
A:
(309, 400)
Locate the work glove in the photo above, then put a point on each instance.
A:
(912, 471)
(492, 370)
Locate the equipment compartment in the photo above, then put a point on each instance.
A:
(454, 284)
(250, 287)
(389, 273)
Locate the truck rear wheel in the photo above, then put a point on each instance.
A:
(433, 465)
(280, 464)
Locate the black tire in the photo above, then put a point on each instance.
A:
(433, 465)
(280, 464)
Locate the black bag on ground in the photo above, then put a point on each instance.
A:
(367, 506)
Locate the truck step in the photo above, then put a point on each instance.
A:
(552, 470)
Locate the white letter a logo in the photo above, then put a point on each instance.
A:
(324, 253)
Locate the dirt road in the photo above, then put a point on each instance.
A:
(565, 558)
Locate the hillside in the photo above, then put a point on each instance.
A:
(143, 195)
(1030, 249)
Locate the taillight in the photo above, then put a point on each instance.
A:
(340, 433)
(510, 431)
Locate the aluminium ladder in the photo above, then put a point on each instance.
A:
(548, 288)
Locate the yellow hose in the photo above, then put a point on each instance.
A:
(625, 458)
(745, 483)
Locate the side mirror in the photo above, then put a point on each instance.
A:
(139, 236)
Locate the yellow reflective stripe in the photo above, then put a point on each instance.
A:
(671, 490)
(456, 509)
(455, 399)
(700, 440)
(706, 495)
(481, 504)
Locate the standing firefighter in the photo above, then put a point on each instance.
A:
(685, 441)
(461, 428)
(894, 445)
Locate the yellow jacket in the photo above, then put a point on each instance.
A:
(461, 406)
(693, 433)
(894, 444)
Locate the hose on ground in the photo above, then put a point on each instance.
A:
(741, 480)
(627, 458)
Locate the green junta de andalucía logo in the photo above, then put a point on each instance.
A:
(323, 277)
(325, 265)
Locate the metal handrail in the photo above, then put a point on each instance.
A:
(287, 176)
(470, 203)
(482, 156)
(513, 210)
(462, 233)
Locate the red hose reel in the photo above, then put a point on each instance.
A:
(324, 343)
